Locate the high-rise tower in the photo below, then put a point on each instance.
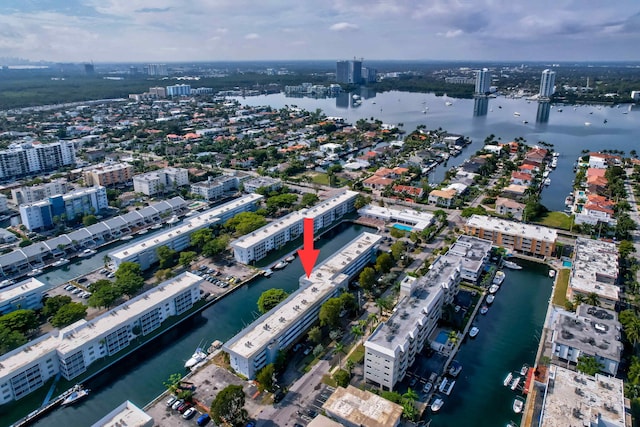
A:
(547, 83)
(483, 82)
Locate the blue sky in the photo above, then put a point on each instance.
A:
(209, 30)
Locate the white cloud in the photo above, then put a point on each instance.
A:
(343, 26)
(252, 36)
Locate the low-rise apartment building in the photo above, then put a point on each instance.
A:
(353, 407)
(258, 344)
(255, 246)
(391, 349)
(71, 350)
(42, 215)
(527, 239)
(178, 238)
(402, 218)
(159, 181)
(108, 174)
(25, 295)
(35, 193)
(271, 184)
(595, 271)
(215, 188)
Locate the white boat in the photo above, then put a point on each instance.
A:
(173, 220)
(512, 265)
(156, 226)
(552, 273)
(268, 272)
(448, 104)
(555, 153)
(7, 282)
(455, 368)
(290, 258)
(355, 96)
(60, 262)
(196, 358)
(547, 182)
(493, 288)
(490, 299)
(76, 393)
(446, 386)
(568, 201)
(87, 253)
(34, 272)
(587, 123)
(143, 231)
(128, 237)
(280, 265)
(484, 309)
(524, 369)
(554, 162)
(474, 331)
(516, 114)
(507, 379)
(499, 278)
(518, 405)
(437, 404)
(515, 383)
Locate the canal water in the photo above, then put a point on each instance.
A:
(508, 338)
(139, 377)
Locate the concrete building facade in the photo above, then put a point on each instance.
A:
(108, 174)
(167, 179)
(35, 193)
(594, 269)
(215, 188)
(25, 295)
(23, 159)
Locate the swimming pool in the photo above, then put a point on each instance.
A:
(403, 227)
(442, 338)
(566, 264)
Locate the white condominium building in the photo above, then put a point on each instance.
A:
(252, 185)
(258, 344)
(255, 246)
(155, 182)
(35, 193)
(178, 238)
(26, 295)
(402, 218)
(595, 270)
(215, 188)
(43, 214)
(393, 346)
(22, 159)
(71, 350)
(108, 174)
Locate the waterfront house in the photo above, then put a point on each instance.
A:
(521, 178)
(509, 207)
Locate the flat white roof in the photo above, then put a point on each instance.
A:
(287, 221)
(573, 399)
(21, 288)
(74, 336)
(126, 414)
(67, 196)
(419, 220)
(504, 226)
(595, 268)
(362, 408)
(321, 282)
(196, 222)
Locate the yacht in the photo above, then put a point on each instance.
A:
(128, 237)
(7, 282)
(75, 394)
(515, 383)
(518, 405)
(448, 104)
(512, 265)
(198, 356)
(173, 220)
(554, 162)
(437, 404)
(568, 201)
(143, 231)
(493, 288)
(446, 386)
(484, 309)
(587, 123)
(474, 331)
(516, 114)
(547, 181)
(280, 265)
(455, 368)
(499, 278)
(87, 253)
(34, 272)
(507, 379)
(60, 262)
(490, 298)
(524, 369)
(290, 258)
(156, 226)
(552, 273)
(268, 272)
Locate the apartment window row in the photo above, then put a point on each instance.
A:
(117, 340)
(73, 365)
(151, 320)
(26, 381)
(183, 302)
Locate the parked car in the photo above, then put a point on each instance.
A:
(77, 291)
(182, 408)
(69, 288)
(189, 413)
(413, 382)
(278, 396)
(177, 404)
(171, 400)
(203, 420)
(427, 387)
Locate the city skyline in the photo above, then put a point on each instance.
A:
(171, 31)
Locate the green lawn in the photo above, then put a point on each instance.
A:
(320, 178)
(560, 293)
(556, 220)
(358, 354)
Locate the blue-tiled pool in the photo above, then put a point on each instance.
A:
(442, 338)
(566, 264)
(402, 227)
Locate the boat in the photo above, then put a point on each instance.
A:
(512, 424)
(515, 383)
(547, 182)
(198, 356)
(556, 154)
(34, 272)
(587, 123)
(490, 298)
(76, 393)
(525, 122)
(446, 386)
(173, 220)
(128, 237)
(499, 278)
(290, 258)
(143, 231)
(484, 309)
(437, 404)
(87, 253)
(156, 226)
(7, 282)
(448, 104)
(559, 110)
(424, 111)
(474, 331)
(455, 368)
(554, 163)
(60, 262)
(524, 369)
(494, 288)
(268, 272)
(280, 265)
(512, 265)
(552, 273)
(355, 96)
(507, 379)
(568, 201)
(516, 114)
(518, 405)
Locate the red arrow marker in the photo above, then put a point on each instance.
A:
(308, 255)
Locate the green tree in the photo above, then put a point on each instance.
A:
(367, 278)
(88, 220)
(21, 321)
(264, 377)
(166, 257)
(187, 257)
(201, 237)
(245, 222)
(129, 278)
(315, 335)
(348, 302)
(632, 330)
(53, 304)
(228, 406)
(626, 248)
(270, 298)
(589, 365)
(342, 377)
(69, 313)
(397, 250)
(309, 199)
(361, 201)
(216, 246)
(329, 314)
(10, 340)
(384, 263)
(173, 382)
(104, 296)
(592, 299)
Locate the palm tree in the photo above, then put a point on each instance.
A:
(593, 299)
(410, 395)
(357, 331)
(339, 349)
(578, 299)
(632, 331)
(453, 337)
(349, 365)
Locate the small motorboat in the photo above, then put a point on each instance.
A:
(484, 309)
(524, 369)
(455, 368)
(515, 383)
(552, 273)
(75, 394)
(34, 272)
(156, 226)
(494, 288)
(490, 298)
(499, 278)
(87, 253)
(516, 114)
(446, 386)
(507, 379)
(547, 182)
(143, 231)
(280, 265)
(437, 404)
(518, 405)
(198, 356)
(474, 331)
(268, 272)
(125, 238)
(60, 262)
(512, 265)
(290, 258)
(173, 220)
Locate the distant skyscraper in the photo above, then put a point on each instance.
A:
(547, 83)
(483, 81)
(369, 74)
(157, 70)
(349, 72)
(88, 69)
